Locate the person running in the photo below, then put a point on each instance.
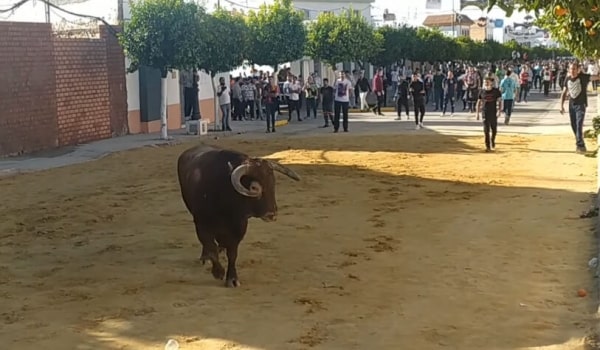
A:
(341, 101)
(326, 94)
(508, 87)
(417, 91)
(449, 86)
(575, 91)
(490, 102)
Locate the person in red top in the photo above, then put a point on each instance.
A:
(378, 90)
(524, 82)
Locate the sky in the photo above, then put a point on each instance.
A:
(411, 11)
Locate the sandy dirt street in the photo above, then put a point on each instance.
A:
(392, 242)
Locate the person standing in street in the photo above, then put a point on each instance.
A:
(224, 95)
(508, 87)
(575, 91)
(402, 98)
(417, 91)
(449, 91)
(438, 90)
(270, 94)
(490, 103)
(343, 90)
(327, 97)
(378, 88)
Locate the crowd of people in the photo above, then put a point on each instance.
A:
(487, 91)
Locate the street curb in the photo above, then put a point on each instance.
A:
(383, 109)
(279, 123)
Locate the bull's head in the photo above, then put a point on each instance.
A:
(254, 178)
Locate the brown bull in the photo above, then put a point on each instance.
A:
(222, 189)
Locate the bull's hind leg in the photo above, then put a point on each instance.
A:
(210, 251)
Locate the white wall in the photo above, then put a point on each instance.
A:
(132, 81)
(205, 86)
(314, 8)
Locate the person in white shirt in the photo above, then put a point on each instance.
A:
(343, 90)
(593, 71)
(225, 103)
(294, 102)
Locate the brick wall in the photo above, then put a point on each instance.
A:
(58, 91)
(27, 88)
(82, 94)
(115, 62)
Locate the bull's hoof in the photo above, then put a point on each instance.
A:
(218, 271)
(232, 283)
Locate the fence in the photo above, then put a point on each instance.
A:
(58, 91)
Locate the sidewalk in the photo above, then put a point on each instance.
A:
(65, 156)
(539, 116)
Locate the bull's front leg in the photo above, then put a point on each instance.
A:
(238, 231)
(231, 279)
(210, 251)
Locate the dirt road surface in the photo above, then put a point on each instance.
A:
(391, 242)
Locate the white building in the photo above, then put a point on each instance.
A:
(527, 35)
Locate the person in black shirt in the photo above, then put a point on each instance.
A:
(402, 98)
(363, 87)
(490, 102)
(417, 91)
(327, 102)
(575, 90)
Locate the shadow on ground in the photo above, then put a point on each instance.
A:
(371, 251)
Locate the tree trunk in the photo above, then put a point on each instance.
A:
(163, 105)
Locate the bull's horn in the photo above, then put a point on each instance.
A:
(283, 169)
(236, 177)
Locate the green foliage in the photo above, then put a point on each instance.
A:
(425, 44)
(398, 43)
(224, 40)
(276, 34)
(347, 37)
(432, 45)
(573, 23)
(163, 34)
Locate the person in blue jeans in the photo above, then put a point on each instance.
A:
(575, 90)
(508, 87)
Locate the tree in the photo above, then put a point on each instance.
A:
(276, 34)
(347, 37)
(224, 40)
(575, 24)
(163, 34)
(433, 44)
(398, 45)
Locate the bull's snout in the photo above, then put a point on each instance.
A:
(269, 217)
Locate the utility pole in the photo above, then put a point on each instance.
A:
(219, 4)
(120, 14)
(47, 8)
(453, 19)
